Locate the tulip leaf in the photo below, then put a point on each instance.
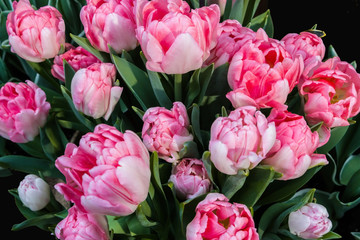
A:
(280, 190)
(69, 73)
(159, 90)
(233, 183)
(264, 21)
(244, 10)
(70, 11)
(193, 89)
(356, 235)
(351, 165)
(352, 190)
(331, 52)
(195, 122)
(336, 135)
(137, 81)
(204, 79)
(84, 43)
(190, 150)
(256, 183)
(43, 222)
(33, 148)
(143, 219)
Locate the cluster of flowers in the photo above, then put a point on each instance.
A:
(108, 173)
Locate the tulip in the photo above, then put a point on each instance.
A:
(23, 111)
(93, 90)
(35, 35)
(310, 221)
(34, 192)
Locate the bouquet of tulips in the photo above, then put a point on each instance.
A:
(172, 119)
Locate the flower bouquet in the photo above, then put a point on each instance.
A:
(171, 119)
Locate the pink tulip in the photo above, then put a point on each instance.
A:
(190, 178)
(166, 131)
(174, 39)
(232, 36)
(94, 91)
(77, 58)
(310, 221)
(107, 174)
(35, 35)
(80, 225)
(308, 45)
(110, 22)
(34, 192)
(217, 218)
(262, 73)
(293, 151)
(23, 110)
(331, 91)
(241, 140)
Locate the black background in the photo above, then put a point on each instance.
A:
(341, 22)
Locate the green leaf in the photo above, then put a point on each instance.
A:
(204, 79)
(44, 69)
(331, 52)
(190, 150)
(193, 89)
(256, 183)
(141, 216)
(352, 190)
(244, 10)
(351, 165)
(70, 11)
(233, 183)
(33, 148)
(137, 81)
(86, 122)
(336, 135)
(356, 235)
(331, 235)
(280, 190)
(29, 165)
(138, 112)
(195, 122)
(264, 21)
(69, 73)
(41, 221)
(159, 90)
(84, 43)
(195, 3)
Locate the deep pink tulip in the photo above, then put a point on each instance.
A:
(293, 151)
(110, 22)
(35, 35)
(94, 91)
(217, 218)
(241, 140)
(108, 173)
(166, 131)
(23, 110)
(174, 39)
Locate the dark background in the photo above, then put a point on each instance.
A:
(341, 22)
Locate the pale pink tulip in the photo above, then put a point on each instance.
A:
(107, 174)
(166, 131)
(262, 73)
(232, 36)
(23, 111)
(241, 140)
(190, 178)
(77, 58)
(310, 221)
(331, 92)
(293, 151)
(110, 22)
(82, 226)
(217, 218)
(34, 192)
(35, 35)
(174, 39)
(94, 91)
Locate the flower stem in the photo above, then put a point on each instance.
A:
(177, 87)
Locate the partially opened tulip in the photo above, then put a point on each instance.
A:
(34, 192)
(23, 111)
(174, 39)
(94, 91)
(241, 140)
(82, 225)
(310, 221)
(35, 35)
(110, 23)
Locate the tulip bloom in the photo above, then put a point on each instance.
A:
(310, 221)
(110, 22)
(174, 39)
(166, 131)
(23, 110)
(190, 178)
(77, 58)
(80, 225)
(293, 151)
(35, 35)
(217, 218)
(93, 90)
(241, 140)
(34, 192)
(108, 173)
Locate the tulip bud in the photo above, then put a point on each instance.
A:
(34, 192)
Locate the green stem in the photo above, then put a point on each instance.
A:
(177, 87)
